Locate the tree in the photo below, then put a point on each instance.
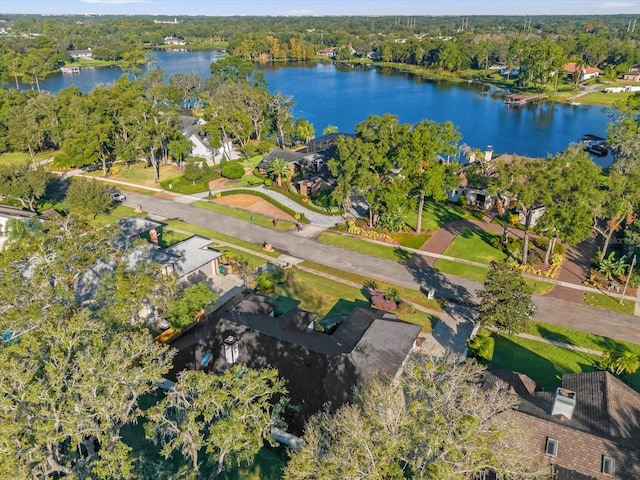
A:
(303, 129)
(523, 181)
(619, 362)
(230, 69)
(23, 183)
(611, 267)
(179, 148)
(429, 177)
(214, 420)
(182, 311)
(87, 198)
(330, 129)
(233, 170)
(279, 169)
(505, 302)
(436, 421)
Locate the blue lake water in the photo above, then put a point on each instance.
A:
(326, 94)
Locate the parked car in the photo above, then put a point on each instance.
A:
(117, 197)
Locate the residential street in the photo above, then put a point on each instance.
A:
(413, 273)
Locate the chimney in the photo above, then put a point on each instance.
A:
(488, 153)
(564, 403)
(231, 349)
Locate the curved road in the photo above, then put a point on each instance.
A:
(411, 273)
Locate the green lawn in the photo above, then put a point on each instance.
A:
(470, 272)
(410, 240)
(20, 157)
(581, 339)
(435, 215)
(329, 298)
(605, 302)
(254, 260)
(356, 244)
(407, 294)
(542, 362)
(474, 245)
(205, 232)
(245, 215)
(139, 173)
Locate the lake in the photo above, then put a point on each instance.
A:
(326, 94)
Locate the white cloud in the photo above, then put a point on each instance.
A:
(616, 5)
(116, 2)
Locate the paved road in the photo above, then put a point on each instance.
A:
(411, 273)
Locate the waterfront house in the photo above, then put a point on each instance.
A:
(586, 72)
(81, 54)
(174, 41)
(633, 74)
(329, 52)
(588, 429)
(321, 368)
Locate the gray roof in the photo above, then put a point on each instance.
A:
(192, 254)
(288, 155)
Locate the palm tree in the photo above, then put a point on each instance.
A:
(279, 168)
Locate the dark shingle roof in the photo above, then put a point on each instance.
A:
(288, 155)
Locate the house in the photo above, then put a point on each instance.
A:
(6, 213)
(326, 141)
(312, 186)
(585, 72)
(478, 197)
(190, 260)
(633, 74)
(535, 214)
(321, 368)
(329, 52)
(292, 158)
(174, 41)
(190, 127)
(587, 429)
(81, 54)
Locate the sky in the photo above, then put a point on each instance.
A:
(322, 7)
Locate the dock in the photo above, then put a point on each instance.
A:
(517, 100)
(70, 69)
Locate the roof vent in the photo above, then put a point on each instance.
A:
(564, 403)
(231, 349)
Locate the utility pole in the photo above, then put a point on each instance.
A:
(624, 290)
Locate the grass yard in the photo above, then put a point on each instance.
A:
(470, 272)
(605, 302)
(254, 260)
(355, 244)
(410, 240)
(20, 157)
(435, 215)
(603, 99)
(475, 245)
(330, 299)
(246, 215)
(407, 294)
(205, 232)
(167, 237)
(542, 362)
(139, 173)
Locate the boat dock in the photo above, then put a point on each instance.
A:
(70, 69)
(517, 100)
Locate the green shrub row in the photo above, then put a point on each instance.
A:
(297, 215)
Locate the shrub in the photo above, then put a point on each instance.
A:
(496, 242)
(482, 345)
(264, 285)
(233, 170)
(267, 182)
(278, 275)
(404, 307)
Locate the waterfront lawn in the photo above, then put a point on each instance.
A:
(605, 302)
(542, 362)
(139, 173)
(356, 244)
(436, 214)
(475, 245)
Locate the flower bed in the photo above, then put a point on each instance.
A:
(550, 272)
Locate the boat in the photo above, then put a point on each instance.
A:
(598, 149)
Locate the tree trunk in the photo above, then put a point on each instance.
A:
(420, 210)
(220, 466)
(550, 248)
(35, 77)
(370, 216)
(525, 246)
(605, 247)
(15, 75)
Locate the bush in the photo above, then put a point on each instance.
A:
(404, 307)
(482, 345)
(278, 275)
(255, 181)
(233, 170)
(264, 285)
